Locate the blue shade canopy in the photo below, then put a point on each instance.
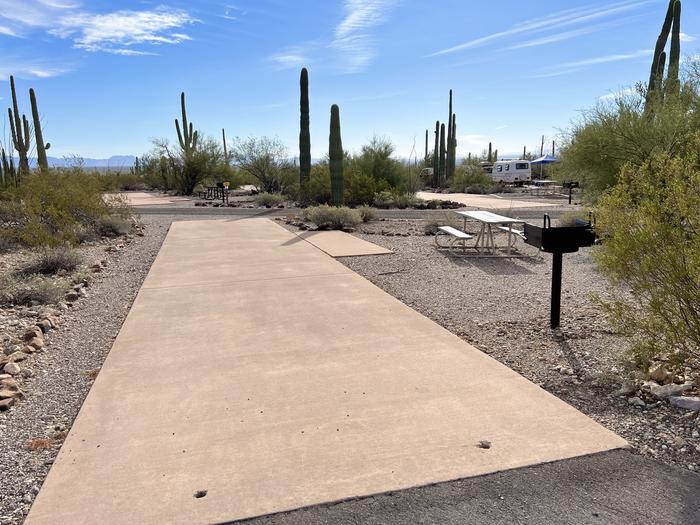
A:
(547, 159)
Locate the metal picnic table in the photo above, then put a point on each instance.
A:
(484, 239)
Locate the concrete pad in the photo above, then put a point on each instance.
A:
(492, 202)
(136, 198)
(340, 244)
(273, 377)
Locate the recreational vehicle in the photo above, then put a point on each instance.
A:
(511, 172)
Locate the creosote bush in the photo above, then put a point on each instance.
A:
(34, 290)
(649, 223)
(367, 213)
(331, 217)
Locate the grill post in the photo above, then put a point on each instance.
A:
(555, 311)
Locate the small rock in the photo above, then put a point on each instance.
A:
(636, 402)
(12, 368)
(17, 357)
(5, 404)
(659, 373)
(9, 394)
(9, 350)
(626, 388)
(688, 403)
(666, 391)
(484, 444)
(37, 343)
(32, 332)
(44, 325)
(72, 296)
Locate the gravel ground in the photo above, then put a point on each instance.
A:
(62, 374)
(501, 306)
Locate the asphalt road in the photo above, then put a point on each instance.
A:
(615, 487)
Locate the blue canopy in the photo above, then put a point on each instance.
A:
(547, 159)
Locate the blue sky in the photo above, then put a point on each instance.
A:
(108, 74)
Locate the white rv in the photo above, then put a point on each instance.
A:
(511, 172)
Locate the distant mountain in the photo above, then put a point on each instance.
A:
(115, 161)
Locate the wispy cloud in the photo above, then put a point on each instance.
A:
(26, 68)
(293, 57)
(352, 36)
(687, 38)
(116, 32)
(568, 68)
(556, 20)
(619, 94)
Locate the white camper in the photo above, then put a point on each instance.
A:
(511, 172)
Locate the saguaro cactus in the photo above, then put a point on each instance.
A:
(425, 158)
(187, 137)
(335, 157)
(659, 49)
(223, 140)
(453, 146)
(673, 84)
(304, 133)
(19, 129)
(443, 155)
(436, 155)
(448, 162)
(41, 147)
(489, 158)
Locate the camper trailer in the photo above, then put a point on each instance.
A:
(511, 172)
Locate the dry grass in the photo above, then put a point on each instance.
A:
(40, 444)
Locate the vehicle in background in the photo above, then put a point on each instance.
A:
(511, 172)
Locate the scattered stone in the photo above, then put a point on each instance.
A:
(636, 402)
(660, 373)
(45, 325)
(37, 343)
(5, 404)
(627, 388)
(666, 391)
(9, 350)
(10, 394)
(688, 403)
(33, 332)
(12, 368)
(17, 357)
(484, 444)
(72, 296)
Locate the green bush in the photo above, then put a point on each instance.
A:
(649, 223)
(470, 177)
(51, 208)
(111, 226)
(52, 260)
(388, 199)
(332, 218)
(269, 200)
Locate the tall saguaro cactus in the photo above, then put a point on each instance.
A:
(490, 157)
(335, 157)
(19, 128)
(436, 156)
(41, 147)
(187, 137)
(223, 140)
(673, 84)
(443, 155)
(448, 161)
(655, 88)
(453, 146)
(425, 158)
(304, 133)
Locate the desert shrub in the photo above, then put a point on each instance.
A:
(375, 160)
(469, 177)
(331, 217)
(265, 160)
(478, 189)
(570, 218)
(395, 199)
(34, 290)
(50, 208)
(111, 226)
(650, 226)
(621, 131)
(269, 200)
(52, 260)
(430, 226)
(318, 187)
(367, 213)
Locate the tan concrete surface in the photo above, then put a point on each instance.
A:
(135, 198)
(489, 202)
(341, 244)
(273, 377)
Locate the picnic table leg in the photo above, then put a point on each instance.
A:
(510, 236)
(480, 238)
(493, 243)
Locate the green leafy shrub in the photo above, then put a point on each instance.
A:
(332, 218)
(52, 260)
(51, 208)
(469, 177)
(649, 223)
(269, 200)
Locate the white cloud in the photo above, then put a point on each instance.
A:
(605, 59)
(619, 94)
(118, 30)
(352, 37)
(293, 57)
(687, 38)
(115, 32)
(557, 20)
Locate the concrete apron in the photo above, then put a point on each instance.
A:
(340, 244)
(256, 368)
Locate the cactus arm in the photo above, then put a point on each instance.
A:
(41, 147)
(660, 46)
(179, 134)
(674, 59)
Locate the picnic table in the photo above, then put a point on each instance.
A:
(484, 240)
